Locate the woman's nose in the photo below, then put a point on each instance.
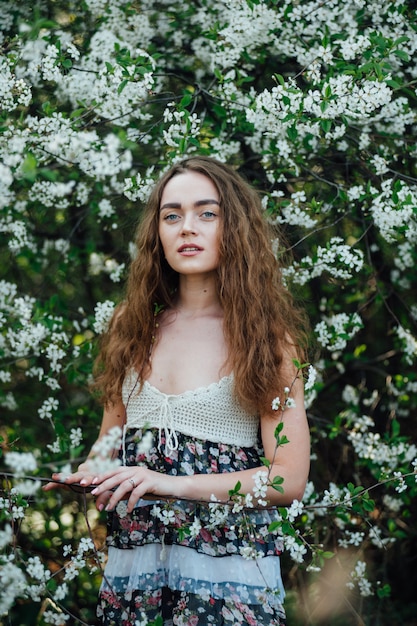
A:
(189, 224)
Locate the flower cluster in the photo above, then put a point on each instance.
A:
(21, 462)
(358, 577)
(336, 258)
(13, 584)
(102, 458)
(103, 314)
(336, 331)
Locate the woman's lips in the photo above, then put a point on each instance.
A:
(189, 248)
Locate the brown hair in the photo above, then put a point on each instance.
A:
(261, 322)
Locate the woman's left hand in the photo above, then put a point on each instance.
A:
(130, 483)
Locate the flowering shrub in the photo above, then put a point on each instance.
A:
(316, 103)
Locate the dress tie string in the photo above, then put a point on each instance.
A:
(125, 427)
(167, 424)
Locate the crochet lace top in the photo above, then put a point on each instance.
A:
(210, 413)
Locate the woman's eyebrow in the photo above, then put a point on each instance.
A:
(177, 205)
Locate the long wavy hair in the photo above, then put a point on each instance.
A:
(261, 323)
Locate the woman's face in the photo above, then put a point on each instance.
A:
(189, 223)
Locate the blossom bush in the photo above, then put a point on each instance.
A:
(315, 103)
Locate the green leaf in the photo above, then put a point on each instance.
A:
(122, 86)
(287, 529)
(292, 132)
(327, 554)
(29, 167)
(278, 429)
(326, 125)
(395, 428)
(48, 108)
(186, 100)
(276, 484)
(273, 526)
(393, 84)
(236, 489)
(384, 592)
(279, 79)
(368, 505)
(401, 54)
(218, 74)
(283, 512)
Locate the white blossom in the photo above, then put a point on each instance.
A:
(76, 437)
(401, 484)
(250, 553)
(21, 462)
(27, 487)
(55, 354)
(57, 619)
(409, 343)
(103, 313)
(13, 584)
(337, 258)
(335, 331)
(6, 536)
(393, 504)
(260, 487)
(13, 91)
(48, 407)
(295, 547)
(114, 270)
(86, 544)
(290, 403)
(105, 208)
(295, 510)
(276, 404)
(351, 538)
(358, 577)
(145, 443)
(218, 514)
(311, 378)
(36, 569)
(103, 449)
(121, 509)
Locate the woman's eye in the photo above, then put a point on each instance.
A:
(208, 215)
(171, 217)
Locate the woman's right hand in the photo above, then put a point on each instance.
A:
(83, 477)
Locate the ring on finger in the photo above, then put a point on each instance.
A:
(133, 482)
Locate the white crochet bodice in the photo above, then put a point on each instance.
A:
(209, 413)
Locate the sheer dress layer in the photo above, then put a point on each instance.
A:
(190, 563)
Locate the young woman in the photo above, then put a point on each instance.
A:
(195, 355)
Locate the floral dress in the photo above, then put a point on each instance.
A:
(190, 563)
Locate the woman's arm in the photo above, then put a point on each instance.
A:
(291, 461)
